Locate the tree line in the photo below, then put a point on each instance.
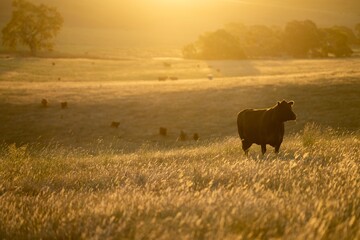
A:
(36, 27)
(299, 39)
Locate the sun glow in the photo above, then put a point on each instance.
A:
(185, 1)
(181, 21)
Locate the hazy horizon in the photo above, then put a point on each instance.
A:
(177, 22)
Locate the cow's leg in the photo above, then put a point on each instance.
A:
(245, 146)
(277, 148)
(263, 148)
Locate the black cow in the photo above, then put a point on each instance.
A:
(264, 126)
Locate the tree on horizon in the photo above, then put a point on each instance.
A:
(33, 26)
(301, 37)
(215, 45)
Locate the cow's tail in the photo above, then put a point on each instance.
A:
(240, 124)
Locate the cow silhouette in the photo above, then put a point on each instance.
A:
(264, 126)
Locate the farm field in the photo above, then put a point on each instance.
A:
(65, 173)
(324, 91)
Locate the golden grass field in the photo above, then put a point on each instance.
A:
(65, 173)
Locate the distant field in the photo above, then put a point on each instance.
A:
(325, 91)
(126, 67)
(65, 173)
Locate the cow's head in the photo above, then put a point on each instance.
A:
(284, 111)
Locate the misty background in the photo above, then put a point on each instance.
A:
(174, 23)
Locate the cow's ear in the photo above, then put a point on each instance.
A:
(291, 103)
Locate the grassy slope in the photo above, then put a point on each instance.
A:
(310, 191)
(130, 183)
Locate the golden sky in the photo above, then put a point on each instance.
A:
(186, 19)
(139, 14)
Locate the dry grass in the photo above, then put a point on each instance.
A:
(70, 175)
(310, 191)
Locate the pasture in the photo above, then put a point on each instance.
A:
(66, 173)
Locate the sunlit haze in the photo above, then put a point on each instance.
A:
(180, 119)
(176, 22)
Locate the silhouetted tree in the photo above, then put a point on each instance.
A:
(336, 42)
(301, 37)
(258, 40)
(262, 41)
(215, 45)
(349, 33)
(190, 51)
(34, 26)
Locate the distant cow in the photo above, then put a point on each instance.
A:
(162, 131)
(264, 126)
(44, 102)
(161, 78)
(64, 105)
(115, 124)
(196, 136)
(182, 136)
(167, 64)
